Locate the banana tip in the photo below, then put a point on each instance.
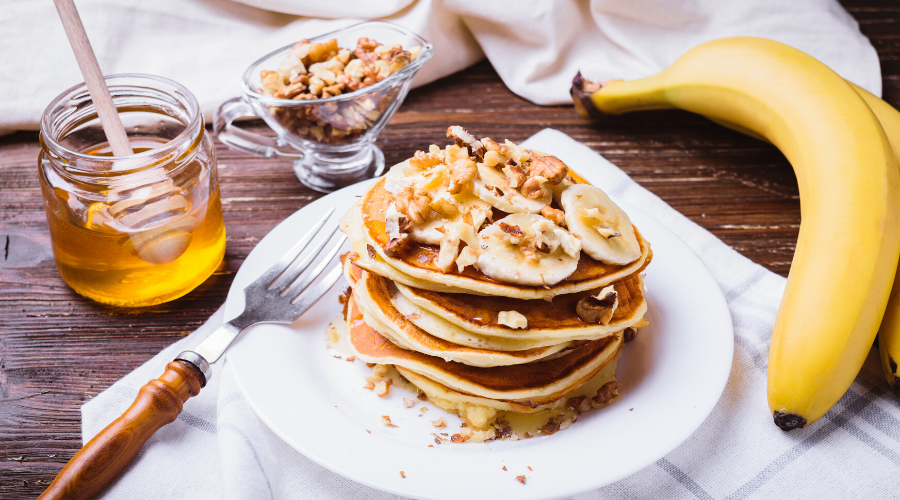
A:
(788, 421)
(581, 95)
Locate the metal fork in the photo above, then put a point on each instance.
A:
(282, 294)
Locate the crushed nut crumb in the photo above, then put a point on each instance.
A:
(439, 423)
(386, 420)
(409, 402)
(520, 479)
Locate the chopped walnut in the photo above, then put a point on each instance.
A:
(557, 216)
(605, 393)
(512, 319)
(386, 420)
(383, 389)
(380, 370)
(520, 479)
(462, 137)
(369, 385)
(462, 171)
(598, 308)
(515, 176)
(550, 168)
(396, 245)
(424, 161)
(414, 203)
(580, 404)
(511, 230)
(534, 188)
(491, 158)
(459, 438)
(370, 250)
(550, 427)
(409, 402)
(402, 475)
(439, 423)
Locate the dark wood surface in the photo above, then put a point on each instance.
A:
(58, 350)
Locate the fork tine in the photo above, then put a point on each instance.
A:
(306, 299)
(301, 282)
(275, 271)
(296, 269)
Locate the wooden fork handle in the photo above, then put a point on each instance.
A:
(100, 461)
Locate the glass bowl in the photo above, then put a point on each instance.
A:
(332, 140)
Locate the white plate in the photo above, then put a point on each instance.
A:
(670, 378)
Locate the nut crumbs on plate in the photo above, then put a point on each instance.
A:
(402, 475)
(520, 479)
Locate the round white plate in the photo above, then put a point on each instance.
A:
(670, 378)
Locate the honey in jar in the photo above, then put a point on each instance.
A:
(140, 229)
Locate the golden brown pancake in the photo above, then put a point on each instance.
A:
(556, 318)
(372, 295)
(528, 384)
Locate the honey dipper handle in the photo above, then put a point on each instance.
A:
(93, 78)
(103, 457)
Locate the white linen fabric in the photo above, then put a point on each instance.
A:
(218, 448)
(536, 46)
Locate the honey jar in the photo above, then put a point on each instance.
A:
(131, 230)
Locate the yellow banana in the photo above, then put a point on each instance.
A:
(889, 333)
(849, 241)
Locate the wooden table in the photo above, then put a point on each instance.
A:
(58, 350)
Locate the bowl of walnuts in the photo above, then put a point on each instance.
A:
(327, 98)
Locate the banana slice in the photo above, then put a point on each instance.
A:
(605, 230)
(491, 186)
(527, 249)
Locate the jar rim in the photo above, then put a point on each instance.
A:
(191, 106)
(406, 72)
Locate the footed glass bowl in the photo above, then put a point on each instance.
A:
(332, 140)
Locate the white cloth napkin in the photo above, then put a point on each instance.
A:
(536, 46)
(218, 448)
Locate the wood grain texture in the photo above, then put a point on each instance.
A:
(158, 403)
(57, 349)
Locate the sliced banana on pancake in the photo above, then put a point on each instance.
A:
(527, 249)
(605, 230)
(491, 186)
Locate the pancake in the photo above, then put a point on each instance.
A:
(416, 265)
(436, 326)
(532, 384)
(372, 295)
(554, 320)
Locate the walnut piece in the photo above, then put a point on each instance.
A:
(550, 168)
(557, 216)
(414, 203)
(396, 245)
(515, 176)
(511, 230)
(462, 137)
(605, 393)
(439, 423)
(598, 308)
(534, 188)
(424, 161)
(462, 171)
(512, 319)
(580, 404)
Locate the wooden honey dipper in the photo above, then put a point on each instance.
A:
(167, 242)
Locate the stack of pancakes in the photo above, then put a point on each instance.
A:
(448, 331)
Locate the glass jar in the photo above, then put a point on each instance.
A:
(131, 230)
(331, 140)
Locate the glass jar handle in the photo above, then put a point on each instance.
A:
(244, 140)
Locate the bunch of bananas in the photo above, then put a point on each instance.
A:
(843, 144)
